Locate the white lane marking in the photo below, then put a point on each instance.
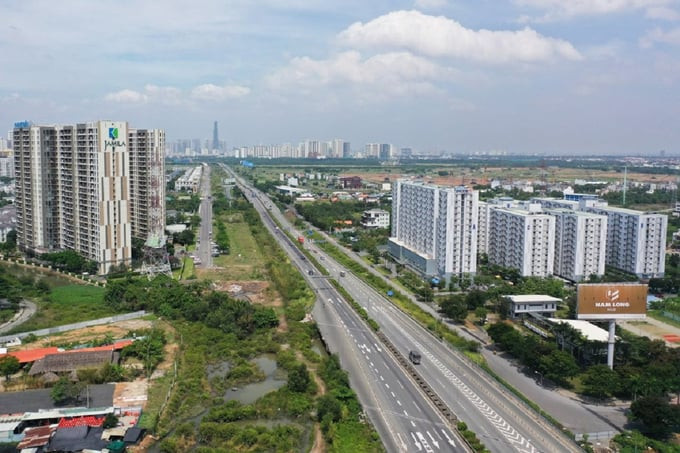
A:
(415, 441)
(518, 441)
(434, 442)
(393, 395)
(387, 385)
(413, 424)
(424, 443)
(399, 402)
(451, 442)
(404, 447)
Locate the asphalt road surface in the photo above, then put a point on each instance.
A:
(501, 420)
(203, 247)
(404, 418)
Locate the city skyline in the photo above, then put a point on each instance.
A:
(519, 76)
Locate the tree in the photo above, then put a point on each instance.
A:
(480, 313)
(328, 406)
(9, 365)
(600, 381)
(475, 299)
(298, 378)
(454, 307)
(426, 293)
(659, 417)
(65, 391)
(558, 366)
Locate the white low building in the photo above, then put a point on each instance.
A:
(532, 303)
(375, 218)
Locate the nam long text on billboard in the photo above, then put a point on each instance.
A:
(612, 301)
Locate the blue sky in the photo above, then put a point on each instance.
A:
(522, 76)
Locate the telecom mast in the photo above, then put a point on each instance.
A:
(156, 260)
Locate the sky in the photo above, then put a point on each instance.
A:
(522, 76)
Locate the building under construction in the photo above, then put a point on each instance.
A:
(88, 187)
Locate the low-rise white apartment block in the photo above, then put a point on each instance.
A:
(580, 244)
(74, 186)
(434, 229)
(636, 241)
(375, 218)
(523, 240)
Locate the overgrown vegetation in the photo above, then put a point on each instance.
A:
(68, 304)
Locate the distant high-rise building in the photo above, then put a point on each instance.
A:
(406, 153)
(372, 150)
(385, 151)
(346, 151)
(216, 138)
(434, 229)
(82, 186)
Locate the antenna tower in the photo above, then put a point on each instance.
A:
(156, 260)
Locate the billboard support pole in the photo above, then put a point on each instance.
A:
(610, 344)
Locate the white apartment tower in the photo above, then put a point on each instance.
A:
(636, 241)
(434, 229)
(75, 186)
(483, 227)
(580, 244)
(523, 240)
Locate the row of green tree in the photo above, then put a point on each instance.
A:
(644, 368)
(70, 261)
(193, 302)
(326, 215)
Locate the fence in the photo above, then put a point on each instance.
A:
(673, 316)
(74, 326)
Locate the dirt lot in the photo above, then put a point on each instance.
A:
(485, 174)
(116, 330)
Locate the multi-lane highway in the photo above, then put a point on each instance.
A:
(404, 418)
(501, 420)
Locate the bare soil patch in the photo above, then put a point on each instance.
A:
(116, 330)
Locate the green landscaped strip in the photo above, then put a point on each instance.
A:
(656, 314)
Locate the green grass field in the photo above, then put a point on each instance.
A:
(244, 262)
(66, 305)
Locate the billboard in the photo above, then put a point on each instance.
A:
(612, 301)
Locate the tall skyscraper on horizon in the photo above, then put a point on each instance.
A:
(216, 138)
(88, 187)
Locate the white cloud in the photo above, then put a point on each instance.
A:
(662, 13)
(658, 35)
(438, 36)
(210, 92)
(391, 74)
(126, 97)
(169, 95)
(561, 9)
(430, 4)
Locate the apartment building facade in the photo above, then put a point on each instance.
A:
(75, 186)
(636, 241)
(434, 229)
(580, 244)
(522, 239)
